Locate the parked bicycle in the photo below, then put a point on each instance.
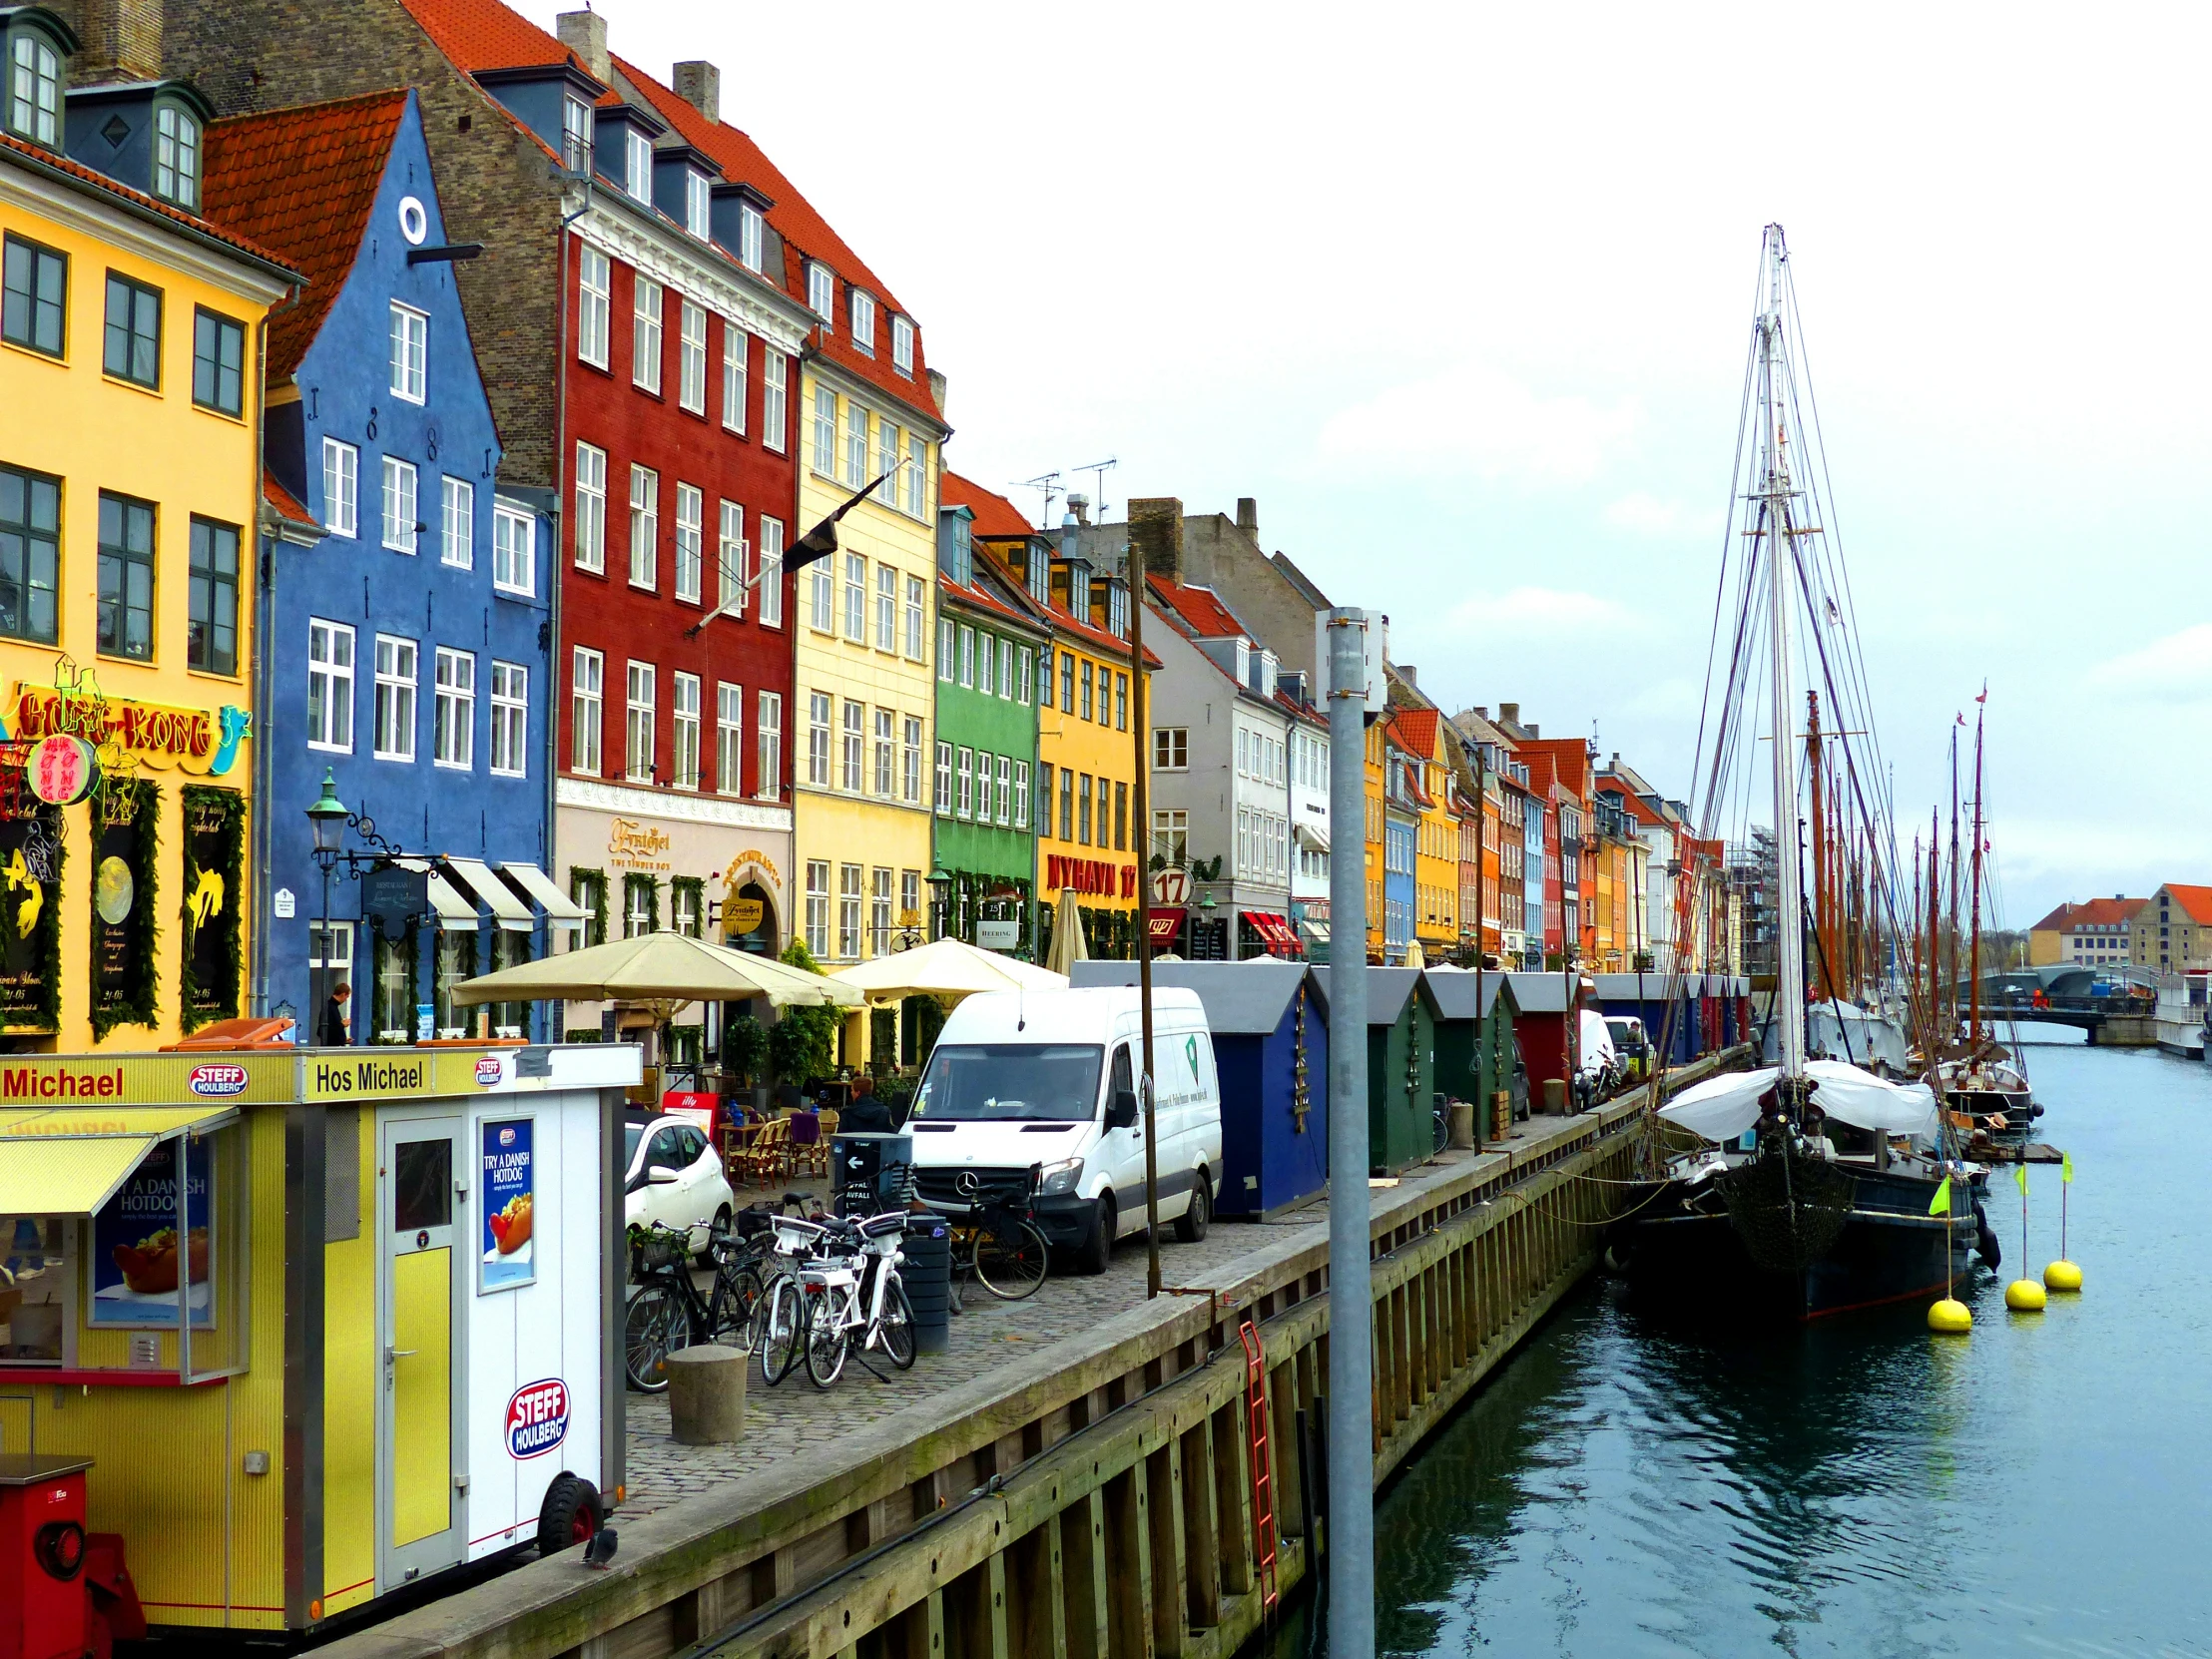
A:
(667, 1313)
(855, 1302)
(996, 1239)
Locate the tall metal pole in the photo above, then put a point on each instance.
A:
(1775, 493)
(1351, 1537)
(1141, 801)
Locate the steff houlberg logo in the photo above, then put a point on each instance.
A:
(491, 1070)
(537, 1418)
(216, 1080)
(966, 1184)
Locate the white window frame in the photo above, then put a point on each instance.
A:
(770, 584)
(768, 731)
(396, 689)
(964, 783)
(648, 305)
(411, 353)
(1024, 673)
(886, 461)
(637, 164)
(821, 764)
(909, 761)
(729, 738)
(948, 650)
(886, 609)
(860, 320)
(1004, 813)
(576, 134)
(594, 305)
(636, 724)
(645, 527)
(1171, 748)
(826, 432)
(737, 352)
(342, 488)
(916, 618)
(690, 356)
(510, 720)
(752, 227)
(902, 345)
(918, 456)
(697, 211)
(334, 733)
(853, 747)
(591, 508)
(821, 585)
(775, 400)
(1006, 670)
(587, 690)
(944, 779)
(683, 714)
(691, 513)
(855, 598)
(457, 522)
(822, 290)
(817, 908)
(454, 711)
(857, 425)
(514, 549)
(885, 773)
(401, 505)
(1021, 795)
(731, 592)
(850, 892)
(968, 657)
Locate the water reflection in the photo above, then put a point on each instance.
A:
(1632, 1486)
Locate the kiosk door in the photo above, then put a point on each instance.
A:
(421, 1372)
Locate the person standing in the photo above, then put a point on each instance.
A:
(335, 1033)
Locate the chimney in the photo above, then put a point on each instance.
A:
(1156, 528)
(1410, 674)
(117, 40)
(1482, 711)
(936, 391)
(1080, 506)
(699, 84)
(585, 34)
(1248, 518)
(1509, 712)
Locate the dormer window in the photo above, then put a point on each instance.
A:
(34, 89)
(902, 345)
(575, 134)
(176, 156)
(638, 155)
(821, 289)
(749, 228)
(695, 203)
(863, 310)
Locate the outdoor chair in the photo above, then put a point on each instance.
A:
(810, 1146)
(768, 1159)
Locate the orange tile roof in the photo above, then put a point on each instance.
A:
(1201, 608)
(2100, 913)
(304, 181)
(2196, 901)
(21, 151)
(283, 500)
(482, 34)
(996, 518)
(1419, 728)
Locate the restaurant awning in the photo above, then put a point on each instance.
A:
(560, 909)
(1318, 931)
(1166, 924)
(1273, 929)
(506, 908)
(69, 1161)
(453, 911)
(1312, 837)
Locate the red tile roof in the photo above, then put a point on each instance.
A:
(2098, 912)
(304, 181)
(482, 34)
(1201, 608)
(283, 500)
(996, 518)
(1419, 731)
(18, 150)
(2197, 901)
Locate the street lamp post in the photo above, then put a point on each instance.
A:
(327, 816)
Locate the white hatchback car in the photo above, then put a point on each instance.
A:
(673, 1176)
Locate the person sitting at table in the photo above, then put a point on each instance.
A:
(865, 1115)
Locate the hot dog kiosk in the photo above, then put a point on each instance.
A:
(312, 1323)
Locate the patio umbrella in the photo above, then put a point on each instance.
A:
(948, 968)
(1069, 947)
(663, 971)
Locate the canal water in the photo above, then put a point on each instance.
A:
(1860, 1488)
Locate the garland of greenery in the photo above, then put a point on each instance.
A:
(649, 886)
(137, 802)
(46, 940)
(596, 881)
(802, 1042)
(197, 1005)
(696, 886)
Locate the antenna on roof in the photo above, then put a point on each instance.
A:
(1099, 469)
(1049, 483)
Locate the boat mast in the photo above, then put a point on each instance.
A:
(1973, 946)
(1822, 971)
(1774, 516)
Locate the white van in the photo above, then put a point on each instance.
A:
(1049, 1080)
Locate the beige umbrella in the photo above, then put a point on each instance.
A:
(1415, 957)
(1069, 947)
(948, 968)
(662, 970)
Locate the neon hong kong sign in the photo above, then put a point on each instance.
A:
(537, 1418)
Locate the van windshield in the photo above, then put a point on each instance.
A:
(1002, 1082)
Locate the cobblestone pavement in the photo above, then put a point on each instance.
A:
(795, 1417)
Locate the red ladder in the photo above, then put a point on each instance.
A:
(1263, 1461)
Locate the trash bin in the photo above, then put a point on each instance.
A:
(927, 1277)
(871, 1172)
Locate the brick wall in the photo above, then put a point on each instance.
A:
(498, 185)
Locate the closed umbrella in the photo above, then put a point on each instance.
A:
(1069, 944)
(948, 968)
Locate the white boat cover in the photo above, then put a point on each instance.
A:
(1846, 1031)
(1720, 1108)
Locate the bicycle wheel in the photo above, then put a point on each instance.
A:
(655, 1326)
(783, 1331)
(827, 1343)
(1010, 1259)
(736, 1296)
(897, 1331)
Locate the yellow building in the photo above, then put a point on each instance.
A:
(130, 483)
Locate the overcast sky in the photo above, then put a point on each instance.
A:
(1461, 297)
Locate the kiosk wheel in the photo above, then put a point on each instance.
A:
(572, 1514)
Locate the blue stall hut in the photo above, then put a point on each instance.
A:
(1474, 1045)
(1402, 1069)
(1270, 1021)
(1643, 997)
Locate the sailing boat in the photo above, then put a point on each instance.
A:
(1813, 1190)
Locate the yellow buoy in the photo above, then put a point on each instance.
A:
(2062, 1276)
(1951, 1316)
(2024, 1295)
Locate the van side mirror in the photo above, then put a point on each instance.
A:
(1121, 1110)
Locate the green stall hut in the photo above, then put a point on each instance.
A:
(1402, 1069)
(1475, 1044)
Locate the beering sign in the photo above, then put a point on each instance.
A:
(199, 741)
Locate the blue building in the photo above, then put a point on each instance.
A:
(405, 627)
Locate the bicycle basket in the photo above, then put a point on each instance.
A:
(655, 1251)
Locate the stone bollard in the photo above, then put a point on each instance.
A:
(1463, 1125)
(1555, 1097)
(706, 1394)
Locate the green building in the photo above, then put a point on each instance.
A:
(988, 642)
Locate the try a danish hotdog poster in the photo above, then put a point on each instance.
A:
(509, 1187)
(141, 1247)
